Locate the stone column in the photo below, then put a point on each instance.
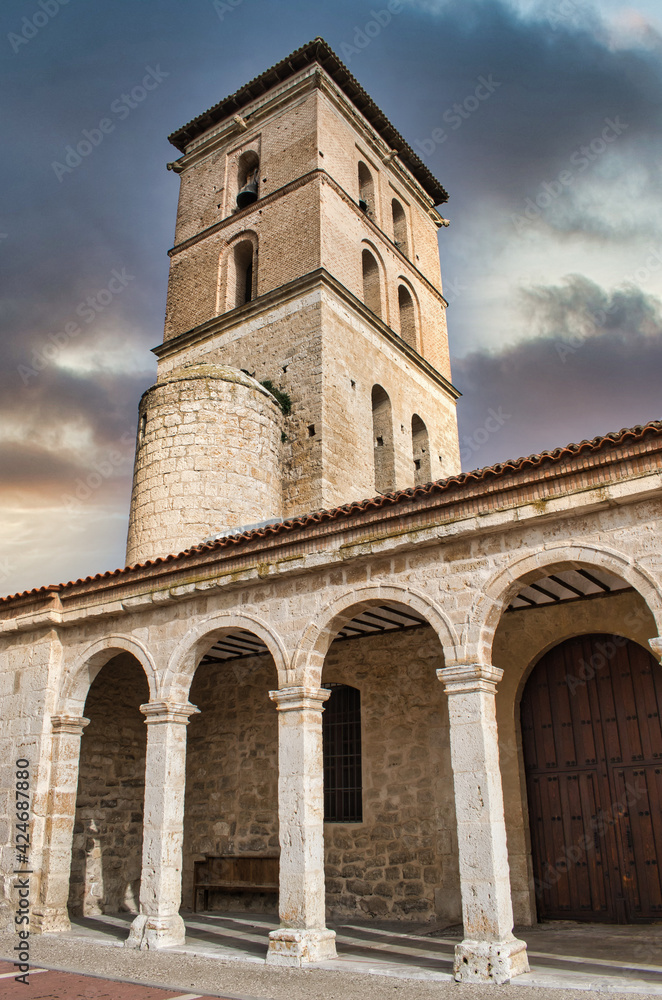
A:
(50, 914)
(302, 936)
(159, 925)
(489, 951)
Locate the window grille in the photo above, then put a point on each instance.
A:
(341, 740)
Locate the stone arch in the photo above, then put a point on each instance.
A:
(189, 650)
(318, 636)
(501, 588)
(77, 680)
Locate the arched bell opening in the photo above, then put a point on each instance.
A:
(420, 443)
(108, 827)
(366, 189)
(388, 783)
(372, 290)
(231, 847)
(241, 273)
(551, 606)
(400, 234)
(248, 169)
(407, 313)
(383, 445)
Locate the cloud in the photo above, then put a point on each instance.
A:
(592, 367)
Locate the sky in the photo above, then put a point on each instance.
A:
(541, 119)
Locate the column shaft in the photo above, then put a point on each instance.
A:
(159, 925)
(50, 914)
(489, 951)
(302, 936)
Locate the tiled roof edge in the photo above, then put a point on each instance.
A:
(614, 438)
(317, 50)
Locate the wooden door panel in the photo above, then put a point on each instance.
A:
(592, 742)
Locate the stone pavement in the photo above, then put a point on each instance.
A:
(224, 957)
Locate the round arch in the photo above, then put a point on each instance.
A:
(320, 633)
(86, 666)
(189, 650)
(501, 588)
(226, 269)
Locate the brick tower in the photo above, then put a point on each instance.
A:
(305, 359)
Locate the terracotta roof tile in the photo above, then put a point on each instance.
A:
(615, 438)
(315, 51)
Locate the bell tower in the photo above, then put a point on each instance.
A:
(305, 358)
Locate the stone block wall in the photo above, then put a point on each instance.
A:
(232, 771)
(400, 863)
(208, 458)
(107, 846)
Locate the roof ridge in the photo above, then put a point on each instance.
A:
(313, 51)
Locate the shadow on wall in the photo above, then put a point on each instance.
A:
(107, 847)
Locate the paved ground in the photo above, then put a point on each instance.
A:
(224, 957)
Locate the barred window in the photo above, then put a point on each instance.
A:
(341, 737)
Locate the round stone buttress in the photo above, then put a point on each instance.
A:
(207, 459)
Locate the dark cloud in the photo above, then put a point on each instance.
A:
(61, 239)
(593, 367)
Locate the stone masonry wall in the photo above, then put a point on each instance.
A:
(211, 433)
(400, 863)
(232, 771)
(107, 847)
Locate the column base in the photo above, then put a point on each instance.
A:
(152, 933)
(295, 946)
(50, 920)
(490, 961)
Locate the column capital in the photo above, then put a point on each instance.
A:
(72, 724)
(162, 712)
(294, 699)
(462, 678)
(656, 645)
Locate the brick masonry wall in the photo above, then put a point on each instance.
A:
(107, 846)
(287, 146)
(232, 771)
(314, 348)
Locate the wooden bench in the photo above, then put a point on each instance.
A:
(234, 873)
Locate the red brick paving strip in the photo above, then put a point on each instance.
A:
(51, 985)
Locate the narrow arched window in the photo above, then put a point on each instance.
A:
(407, 316)
(366, 189)
(421, 451)
(241, 274)
(382, 430)
(372, 293)
(400, 237)
(248, 169)
(341, 742)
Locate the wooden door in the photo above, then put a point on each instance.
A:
(592, 740)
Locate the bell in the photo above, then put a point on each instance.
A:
(248, 194)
